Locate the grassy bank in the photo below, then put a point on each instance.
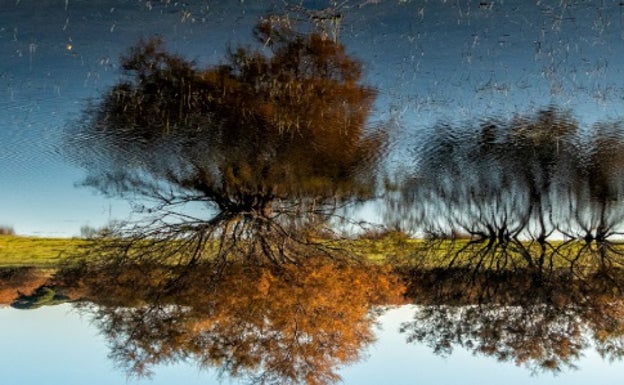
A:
(16, 251)
(48, 253)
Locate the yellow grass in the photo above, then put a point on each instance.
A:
(32, 251)
(48, 253)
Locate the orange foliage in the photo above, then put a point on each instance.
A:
(287, 125)
(294, 324)
(16, 281)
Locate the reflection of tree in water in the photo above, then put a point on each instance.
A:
(542, 322)
(271, 141)
(271, 144)
(492, 277)
(580, 257)
(507, 187)
(295, 324)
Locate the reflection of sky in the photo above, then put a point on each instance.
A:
(431, 60)
(55, 55)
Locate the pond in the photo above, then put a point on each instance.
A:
(312, 191)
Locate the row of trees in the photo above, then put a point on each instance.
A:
(508, 187)
(300, 324)
(527, 177)
(544, 323)
(260, 153)
(243, 170)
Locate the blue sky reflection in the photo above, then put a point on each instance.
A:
(431, 61)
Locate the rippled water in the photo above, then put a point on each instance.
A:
(431, 62)
(233, 145)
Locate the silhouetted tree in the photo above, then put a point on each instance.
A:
(599, 189)
(497, 180)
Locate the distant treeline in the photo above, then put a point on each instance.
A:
(526, 177)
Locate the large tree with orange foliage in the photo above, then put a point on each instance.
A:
(294, 325)
(269, 139)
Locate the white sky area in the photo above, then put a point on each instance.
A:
(431, 61)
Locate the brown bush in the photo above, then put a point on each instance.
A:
(6, 230)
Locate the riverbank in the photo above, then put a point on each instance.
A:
(43, 253)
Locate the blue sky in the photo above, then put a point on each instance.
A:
(431, 60)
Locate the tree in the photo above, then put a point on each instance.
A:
(293, 325)
(544, 323)
(270, 140)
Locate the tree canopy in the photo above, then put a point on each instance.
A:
(294, 325)
(287, 122)
(528, 177)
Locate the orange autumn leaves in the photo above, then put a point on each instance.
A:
(240, 160)
(294, 324)
(287, 122)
